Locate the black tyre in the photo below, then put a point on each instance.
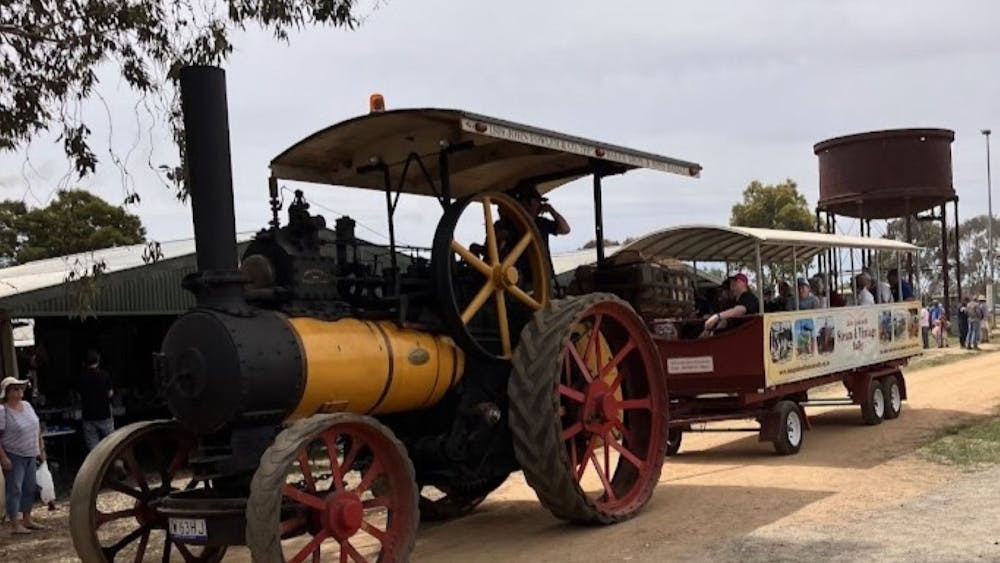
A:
(360, 493)
(564, 410)
(873, 407)
(893, 397)
(790, 428)
(674, 437)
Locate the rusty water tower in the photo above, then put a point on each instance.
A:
(897, 173)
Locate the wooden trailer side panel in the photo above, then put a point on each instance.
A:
(728, 362)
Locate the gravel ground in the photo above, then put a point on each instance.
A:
(960, 522)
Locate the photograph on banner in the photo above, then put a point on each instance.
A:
(808, 344)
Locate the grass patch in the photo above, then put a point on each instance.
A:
(935, 360)
(971, 446)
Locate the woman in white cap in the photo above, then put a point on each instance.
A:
(20, 443)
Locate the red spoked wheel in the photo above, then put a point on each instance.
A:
(589, 409)
(114, 513)
(335, 487)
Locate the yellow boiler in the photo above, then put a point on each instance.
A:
(373, 367)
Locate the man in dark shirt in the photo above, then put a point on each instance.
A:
(746, 303)
(95, 398)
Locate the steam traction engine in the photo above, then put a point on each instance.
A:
(328, 394)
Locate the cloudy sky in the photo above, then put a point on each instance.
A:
(743, 88)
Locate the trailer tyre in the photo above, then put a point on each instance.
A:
(790, 429)
(893, 397)
(873, 407)
(674, 437)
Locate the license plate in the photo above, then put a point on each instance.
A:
(188, 528)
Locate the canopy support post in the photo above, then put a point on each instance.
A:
(598, 219)
(795, 275)
(760, 279)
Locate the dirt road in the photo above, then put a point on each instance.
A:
(726, 497)
(722, 488)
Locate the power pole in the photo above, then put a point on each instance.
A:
(991, 286)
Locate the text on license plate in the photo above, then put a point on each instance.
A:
(190, 528)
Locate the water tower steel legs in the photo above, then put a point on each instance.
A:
(958, 253)
(944, 263)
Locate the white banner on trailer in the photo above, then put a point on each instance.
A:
(806, 344)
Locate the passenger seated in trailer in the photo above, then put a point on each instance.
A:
(724, 299)
(776, 303)
(836, 298)
(745, 304)
(817, 284)
(705, 301)
(806, 298)
(879, 289)
(894, 285)
(862, 295)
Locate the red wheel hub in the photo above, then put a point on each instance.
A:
(344, 514)
(601, 408)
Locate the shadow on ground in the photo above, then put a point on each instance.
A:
(677, 520)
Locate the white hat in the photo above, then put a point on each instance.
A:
(7, 382)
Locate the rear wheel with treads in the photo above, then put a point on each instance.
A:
(589, 416)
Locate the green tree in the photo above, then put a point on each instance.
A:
(774, 206)
(592, 243)
(75, 221)
(50, 51)
(973, 244)
(10, 213)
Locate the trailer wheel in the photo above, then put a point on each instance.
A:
(893, 397)
(790, 428)
(674, 437)
(588, 393)
(339, 477)
(113, 512)
(873, 407)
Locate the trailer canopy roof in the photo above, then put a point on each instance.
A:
(708, 243)
(489, 154)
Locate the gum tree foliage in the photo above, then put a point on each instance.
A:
(773, 206)
(973, 245)
(76, 221)
(51, 50)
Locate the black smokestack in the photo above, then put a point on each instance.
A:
(209, 171)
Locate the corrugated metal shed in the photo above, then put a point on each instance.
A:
(123, 289)
(128, 286)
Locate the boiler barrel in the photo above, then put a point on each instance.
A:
(373, 367)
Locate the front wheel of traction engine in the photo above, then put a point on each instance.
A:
(114, 514)
(588, 409)
(334, 487)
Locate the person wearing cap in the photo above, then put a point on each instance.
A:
(20, 444)
(976, 312)
(536, 206)
(746, 303)
(807, 300)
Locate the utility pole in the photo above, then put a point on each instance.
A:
(991, 285)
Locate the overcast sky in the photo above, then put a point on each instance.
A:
(743, 88)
